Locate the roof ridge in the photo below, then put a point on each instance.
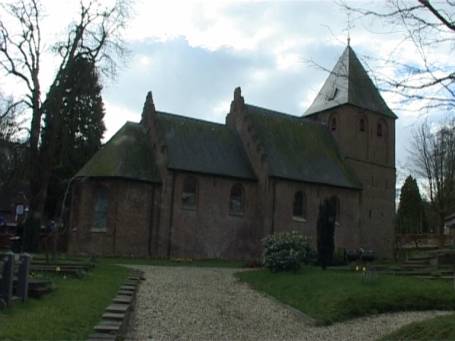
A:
(190, 118)
(301, 118)
(274, 111)
(351, 54)
(131, 122)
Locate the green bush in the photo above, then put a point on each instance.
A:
(285, 251)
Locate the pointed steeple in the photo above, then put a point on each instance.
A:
(349, 83)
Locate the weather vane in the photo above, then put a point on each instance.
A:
(349, 26)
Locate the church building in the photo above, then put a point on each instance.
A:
(175, 186)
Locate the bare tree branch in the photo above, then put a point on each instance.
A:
(438, 14)
(95, 35)
(434, 160)
(429, 27)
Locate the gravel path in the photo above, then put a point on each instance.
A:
(210, 304)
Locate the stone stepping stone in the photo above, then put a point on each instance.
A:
(122, 299)
(117, 308)
(125, 293)
(101, 337)
(135, 279)
(128, 287)
(114, 316)
(106, 326)
(130, 282)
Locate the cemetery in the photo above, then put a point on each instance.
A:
(96, 299)
(52, 295)
(297, 208)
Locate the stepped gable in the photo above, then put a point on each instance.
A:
(349, 83)
(300, 149)
(127, 154)
(204, 147)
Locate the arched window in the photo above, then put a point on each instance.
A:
(237, 200)
(333, 124)
(101, 209)
(189, 193)
(362, 124)
(379, 131)
(299, 206)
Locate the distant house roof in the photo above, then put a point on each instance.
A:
(299, 149)
(204, 147)
(127, 154)
(349, 83)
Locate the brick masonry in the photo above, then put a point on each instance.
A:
(145, 219)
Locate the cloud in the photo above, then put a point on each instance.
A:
(192, 54)
(116, 116)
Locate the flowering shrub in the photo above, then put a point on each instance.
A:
(285, 251)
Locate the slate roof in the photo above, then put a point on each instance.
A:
(204, 147)
(349, 83)
(126, 155)
(300, 149)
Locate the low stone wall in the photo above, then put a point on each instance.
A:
(114, 320)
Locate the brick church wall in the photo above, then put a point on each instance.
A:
(128, 218)
(347, 233)
(209, 230)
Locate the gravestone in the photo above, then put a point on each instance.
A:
(22, 276)
(6, 282)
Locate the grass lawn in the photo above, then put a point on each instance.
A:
(439, 328)
(69, 312)
(330, 296)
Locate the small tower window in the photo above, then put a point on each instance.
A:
(236, 200)
(299, 206)
(379, 130)
(333, 124)
(189, 193)
(362, 124)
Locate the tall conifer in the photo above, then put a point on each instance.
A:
(411, 214)
(79, 127)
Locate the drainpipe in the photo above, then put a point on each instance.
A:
(152, 216)
(171, 218)
(273, 206)
(158, 222)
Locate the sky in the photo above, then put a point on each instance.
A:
(192, 54)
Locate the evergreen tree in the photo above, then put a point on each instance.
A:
(75, 116)
(411, 213)
(326, 231)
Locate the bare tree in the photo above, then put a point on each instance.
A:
(430, 27)
(10, 118)
(434, 160)
(11, 149)
(95, 35)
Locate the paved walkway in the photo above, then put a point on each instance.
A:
(210, 304)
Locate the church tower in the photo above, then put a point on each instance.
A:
(351, 107)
